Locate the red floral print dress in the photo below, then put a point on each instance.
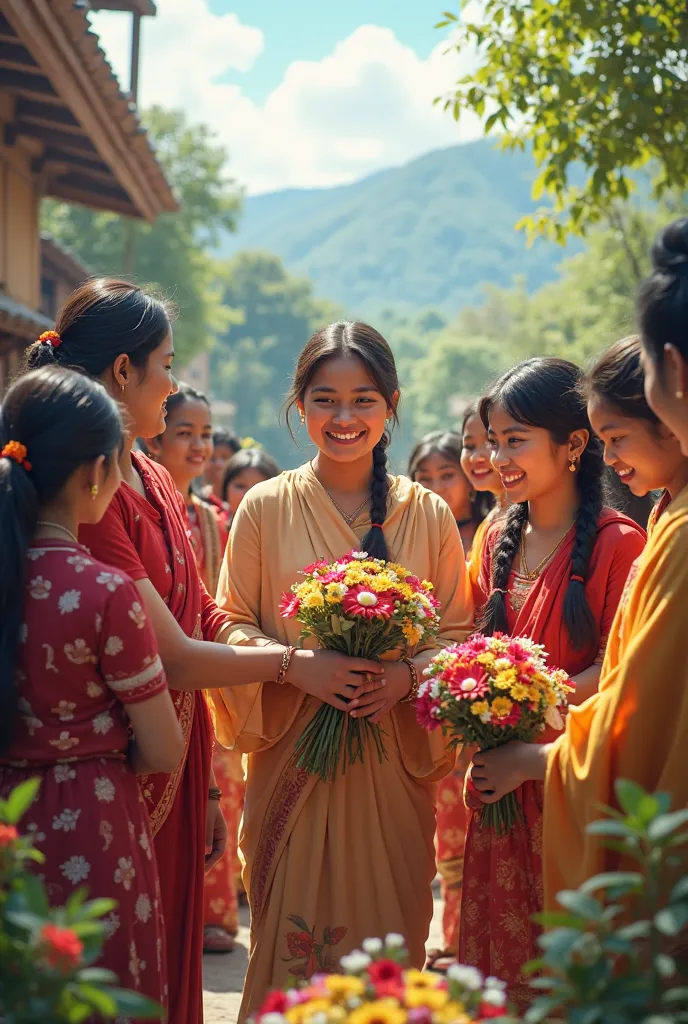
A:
(86, 652)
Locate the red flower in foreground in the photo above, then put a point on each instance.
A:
(8, 834)
(488, 1010)
(61, 947)
(315, 567)
(289, 605)
(384, 971)
(275, 1002)
(366, 603)
(469, 683)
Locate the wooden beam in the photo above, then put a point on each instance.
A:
(61, 189)
(6, 29)
(55, 138)
(141, 7)
(24, 84)
(95, 166)
(47, 114)
(16, 55)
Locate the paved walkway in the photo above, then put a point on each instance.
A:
(223, 976)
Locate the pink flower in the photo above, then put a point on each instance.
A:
(413, 581)
(332, 577)
(425, 706)
(289, 605)
(468, 682)
(367, 604)
(513, 718)
(316, 567)
(275, 1002)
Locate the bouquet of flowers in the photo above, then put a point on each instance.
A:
(374, 987)
(364, 607)
(489, 690)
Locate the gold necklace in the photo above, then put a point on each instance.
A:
(525, 571)
(348, 517)
(58, 526)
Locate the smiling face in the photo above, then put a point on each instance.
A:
(187, 443)
(476, 455)
(646, 456)
(146, 391)
(530, 464)
(445, 477)
(345, 411)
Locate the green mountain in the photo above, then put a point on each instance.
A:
(430, 233)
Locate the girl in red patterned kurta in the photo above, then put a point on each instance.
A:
(74, 636)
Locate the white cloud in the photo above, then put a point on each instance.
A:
(365, 106)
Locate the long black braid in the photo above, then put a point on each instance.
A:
(374, 541)
(543, 393)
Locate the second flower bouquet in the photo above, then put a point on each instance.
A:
(364, 607)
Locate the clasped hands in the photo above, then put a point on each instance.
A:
(359, 686)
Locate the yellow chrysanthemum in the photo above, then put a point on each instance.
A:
(381, 1011)
(304, 589)
(428, 585)
(551, 698)
(487, 659)
(334, 592)
(314, 600)
(401, 572)
(342, 987)
(304, 1012)
(534, 694)
(432, 998)
(501, 707)
(381, 583)
(519, 692)
(479, 707)
(411, 633)
(353, 575)
(452, 1013)
(421, 979)
(504, 681)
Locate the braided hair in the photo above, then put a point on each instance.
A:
(545, 393)
(363, 342)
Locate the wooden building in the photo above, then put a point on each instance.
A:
(67, 130)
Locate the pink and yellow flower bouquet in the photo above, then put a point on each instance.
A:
(489, 690)
(374, 986)
(364, 607)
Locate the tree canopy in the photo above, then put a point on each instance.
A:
(170, 255)
(591, 85)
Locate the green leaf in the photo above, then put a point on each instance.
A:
(625, 881)
(675, 995)
(96, 976)
(558, 943)
(336, 625)
(19, 800)
(611, 828)
(133, 1005)
(24, 920)
(680, 890)
(665, 824)
(635, 930)
(580, 903)
(97, 998)
(97, 908)
(629, 794)
(672, 920)
(665, 965)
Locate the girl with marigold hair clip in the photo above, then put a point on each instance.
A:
(79, 668)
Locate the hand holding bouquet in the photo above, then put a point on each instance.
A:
(364, 607)
(489, 690)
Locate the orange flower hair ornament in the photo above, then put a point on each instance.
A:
(17, 452)
(50, 338)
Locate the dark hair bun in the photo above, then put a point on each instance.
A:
(40, 354)
(670, 250)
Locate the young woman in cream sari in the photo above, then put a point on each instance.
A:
(328, 864)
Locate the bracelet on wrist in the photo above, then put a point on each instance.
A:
(284, 667)
(412, 695)
(214, 793)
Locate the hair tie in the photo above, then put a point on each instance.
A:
(376, 526)
(50, 338)
(499, 590)
(17, 452)
(576, 579)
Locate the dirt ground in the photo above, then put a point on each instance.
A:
(223, 976)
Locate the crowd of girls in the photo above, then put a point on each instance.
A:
(147, 677)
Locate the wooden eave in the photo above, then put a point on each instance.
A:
(95, 150)
(17, 321)
(62, 262)
(142, 7)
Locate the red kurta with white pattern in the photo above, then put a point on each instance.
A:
(86, 651)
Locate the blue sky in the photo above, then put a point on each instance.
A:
(309, 29)
(306, 93)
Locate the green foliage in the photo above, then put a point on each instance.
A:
(169, 255)
(607, 957)
(42, 981)
(427, 234)
(274, 315)
(596, 84)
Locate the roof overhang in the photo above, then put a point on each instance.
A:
(142, 7)
(94, 149)
(19, 321)
(62, 261)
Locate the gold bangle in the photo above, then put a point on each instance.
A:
(214, 793)
(412, 695)
(284, 667)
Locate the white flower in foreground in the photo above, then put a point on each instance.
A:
(359, 555)
(395, 941)
(495, 983)
(494, 996)
(435, 689)
(469, 977)
(355, 962)
(372, 946)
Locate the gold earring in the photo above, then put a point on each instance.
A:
(679, 394)
(94, 491)
(302, 417)
(572, 466)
